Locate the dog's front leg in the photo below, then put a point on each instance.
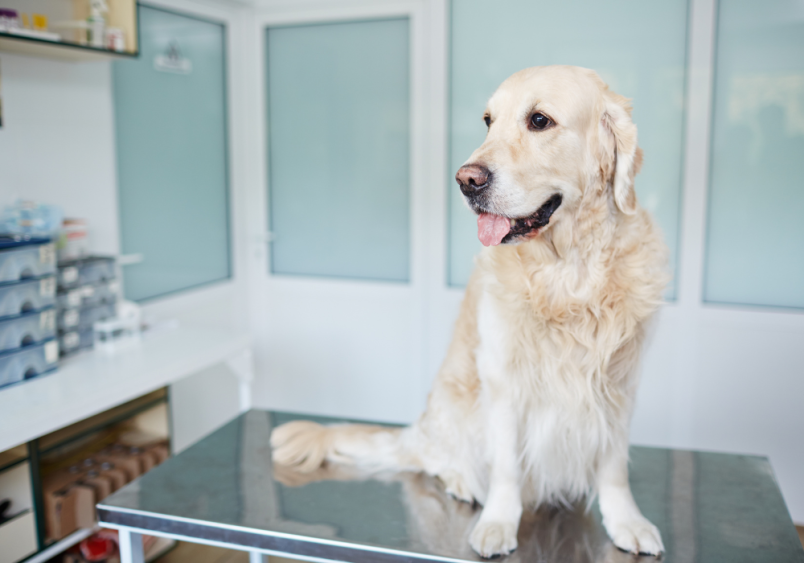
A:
(496, 530)
(627, 528)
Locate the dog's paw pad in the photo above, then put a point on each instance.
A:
(492, 539)
(636, 536)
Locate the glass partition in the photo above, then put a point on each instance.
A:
(755, 243)
(170, 120)
(639, 48)
(339, 137)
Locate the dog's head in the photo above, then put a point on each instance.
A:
(556, 135)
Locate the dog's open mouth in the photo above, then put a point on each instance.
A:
(495, 229)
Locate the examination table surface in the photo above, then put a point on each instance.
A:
(224, 491)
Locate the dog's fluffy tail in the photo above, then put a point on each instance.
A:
(306, 445)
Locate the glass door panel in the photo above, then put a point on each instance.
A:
(339, 138)
(170, 112)
(755, 243)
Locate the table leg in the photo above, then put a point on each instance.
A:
(257, 557)
(130, 547)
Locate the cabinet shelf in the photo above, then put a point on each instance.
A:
(91, 383)
(67, 28)
(61, 50)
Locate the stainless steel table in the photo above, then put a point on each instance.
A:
(224, 491)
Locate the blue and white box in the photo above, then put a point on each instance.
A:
(28, 362)
(27, 330)
(28, 296)
(22, 259)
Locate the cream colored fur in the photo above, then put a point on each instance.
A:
(533, 401)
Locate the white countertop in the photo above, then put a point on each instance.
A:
(93, 382)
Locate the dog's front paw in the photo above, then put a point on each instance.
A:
(456, 487)
(491, 539)
(636, 535)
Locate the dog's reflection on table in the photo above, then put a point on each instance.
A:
(440, 524)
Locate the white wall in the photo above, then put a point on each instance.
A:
(57, 141)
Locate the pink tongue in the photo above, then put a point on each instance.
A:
(491, 229)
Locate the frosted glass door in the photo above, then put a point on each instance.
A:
(639, 48)
(170, 110)
(339, 136)
(755, 246)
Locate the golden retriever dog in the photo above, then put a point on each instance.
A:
(532, 404)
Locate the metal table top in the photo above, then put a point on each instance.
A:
(224, 490)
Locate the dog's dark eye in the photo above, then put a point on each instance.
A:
(487, 119)
(540, 122)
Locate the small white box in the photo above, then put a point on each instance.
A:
(18, 537)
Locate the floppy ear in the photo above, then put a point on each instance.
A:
(621, 158)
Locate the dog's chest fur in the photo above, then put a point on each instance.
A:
(550, 360)
(563, 412)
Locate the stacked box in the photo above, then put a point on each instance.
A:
(71, 493)
(26, 258)
(87, 293)
(28, 345)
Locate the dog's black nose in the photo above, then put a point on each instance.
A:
(473, 179)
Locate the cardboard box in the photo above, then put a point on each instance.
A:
(121, 458)
(116, 476)
(160, 451)
(148, 459)
(101, 484)
(68, 509)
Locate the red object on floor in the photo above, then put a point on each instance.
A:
(97, 548)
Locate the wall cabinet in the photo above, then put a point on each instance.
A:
(70, 29)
